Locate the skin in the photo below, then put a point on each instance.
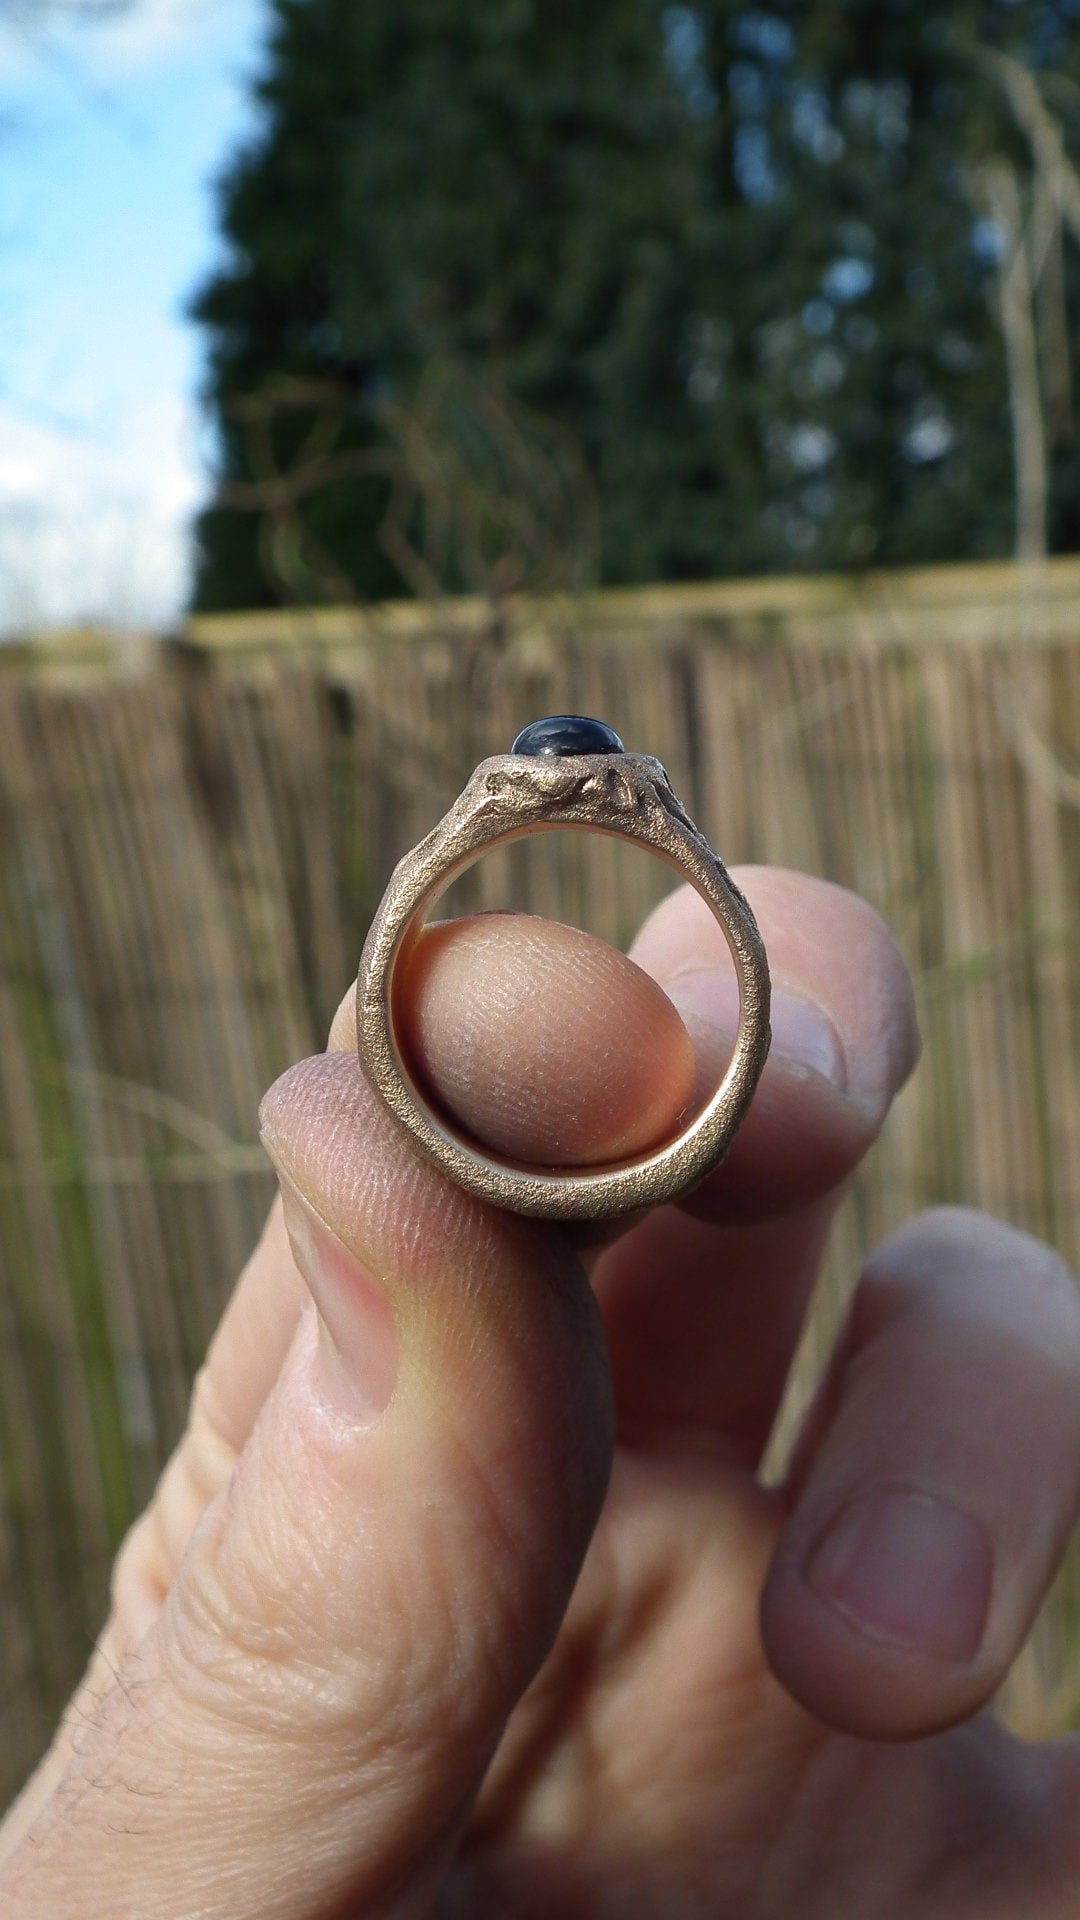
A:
(462, 1597)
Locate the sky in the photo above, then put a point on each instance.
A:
(111, 140)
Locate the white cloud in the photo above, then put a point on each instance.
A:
(94, 529)
(94, 518)
(144, 36)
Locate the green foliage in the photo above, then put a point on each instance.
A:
(739, 256)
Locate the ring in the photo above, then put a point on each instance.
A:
(563, 772)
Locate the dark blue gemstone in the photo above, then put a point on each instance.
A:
(565, 734)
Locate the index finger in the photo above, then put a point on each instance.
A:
(705, 1303)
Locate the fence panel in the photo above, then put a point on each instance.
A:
(189, 855)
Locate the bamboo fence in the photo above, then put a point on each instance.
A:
(193, 835)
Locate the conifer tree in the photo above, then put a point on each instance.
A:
(737, 255)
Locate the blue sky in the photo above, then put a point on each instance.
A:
(110, 140)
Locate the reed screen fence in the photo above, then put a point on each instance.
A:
(192, 841)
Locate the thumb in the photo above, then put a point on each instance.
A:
(305, 1725)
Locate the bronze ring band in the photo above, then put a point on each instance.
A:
(534, 789)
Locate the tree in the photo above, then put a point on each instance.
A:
(866, 357)
(503, 188)
(739, 257)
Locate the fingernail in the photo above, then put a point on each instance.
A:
(804, 1033)
(801, 1031)
(908, 1569)
(358, 1342)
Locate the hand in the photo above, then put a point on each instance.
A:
(441, 1610)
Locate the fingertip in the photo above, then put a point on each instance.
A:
(845, 1035)
(843, 993)
(544, 1041)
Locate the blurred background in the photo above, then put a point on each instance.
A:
(375, 379)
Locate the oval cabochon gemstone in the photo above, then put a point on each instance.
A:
(565, 734)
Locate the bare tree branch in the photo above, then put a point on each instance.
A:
(1001, 192)
(481, 493)
(1043, 131)
(1031, 288)
(1051, 311)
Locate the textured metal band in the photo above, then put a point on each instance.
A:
(626, 794)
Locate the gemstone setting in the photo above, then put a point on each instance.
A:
(563, 735)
